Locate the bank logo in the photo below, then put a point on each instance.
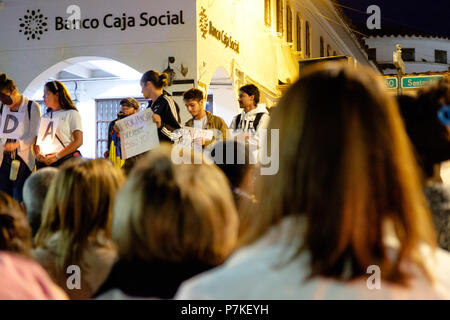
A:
(33, 24)
(203, 23)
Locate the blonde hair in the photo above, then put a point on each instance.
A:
(346, 165)
(79, 204)
(175, 213)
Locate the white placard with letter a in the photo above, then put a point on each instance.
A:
(47, 141)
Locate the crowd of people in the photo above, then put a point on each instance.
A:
(358, 189)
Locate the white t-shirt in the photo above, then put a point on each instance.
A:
(260, 271)
(68, 122)
(201, 124)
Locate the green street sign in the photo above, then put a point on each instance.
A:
(391, 83)
(419, 82)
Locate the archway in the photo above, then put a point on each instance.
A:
(222, 97)
(96, 85)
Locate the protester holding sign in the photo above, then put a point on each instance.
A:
(60, 133)
(166, 113)
(128, 106)
(18, 130)
(202, 119)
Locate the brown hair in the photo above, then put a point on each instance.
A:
(15, 232)
(158, 80)
(79, 204)
(6, 83)
(251, 90)
(193, 93)
(346, 167)
(175, 213)
(65, 101)
(131, 102)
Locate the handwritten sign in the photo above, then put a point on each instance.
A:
(47, 141)
(138, 133)
(11, 125)
(189, 135)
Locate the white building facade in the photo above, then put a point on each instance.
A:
(100, 48)
(421, 54)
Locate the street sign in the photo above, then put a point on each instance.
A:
(419, 82)
(391, 83)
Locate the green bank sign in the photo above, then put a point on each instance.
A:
(419, 82)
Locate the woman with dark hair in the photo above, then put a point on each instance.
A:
(345, 216)
(15, 232)
(63, 133)
(427, 120)
(16, 155)
(166, 111)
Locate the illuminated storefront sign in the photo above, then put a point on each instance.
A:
(121, 22)
(207, 27)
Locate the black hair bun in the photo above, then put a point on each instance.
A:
(3, 78)
(163, 80)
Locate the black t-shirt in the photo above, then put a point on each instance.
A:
(157, 279)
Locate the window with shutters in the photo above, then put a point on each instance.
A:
(299, 33)
(288, 24)
(409, 54)
(372, 53)
(322, 47)
(307, 39)
(440, 56)
(280, 16)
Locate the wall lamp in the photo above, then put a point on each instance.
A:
(170, 72)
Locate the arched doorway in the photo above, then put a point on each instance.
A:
(222, 97)
(96, 85)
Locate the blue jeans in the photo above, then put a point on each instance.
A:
(13, 188)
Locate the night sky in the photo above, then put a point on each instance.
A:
(402, 16)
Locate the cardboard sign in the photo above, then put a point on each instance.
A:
(138, 133)
(11, 125)
(189, 135)
(47, 140)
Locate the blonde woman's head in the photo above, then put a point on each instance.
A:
(79, 204)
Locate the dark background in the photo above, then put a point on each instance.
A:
(430, 17)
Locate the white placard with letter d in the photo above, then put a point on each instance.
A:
(11, 125)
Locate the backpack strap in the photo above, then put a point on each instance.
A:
(257, 120)
(30, 102)
(238, 120)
